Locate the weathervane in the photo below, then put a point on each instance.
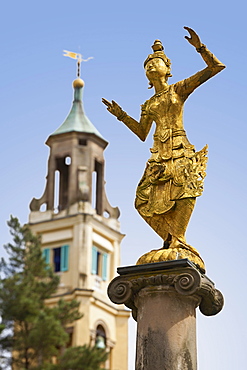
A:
(76, 56)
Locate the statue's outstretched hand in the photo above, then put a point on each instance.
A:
(193, 39)
(113, 107)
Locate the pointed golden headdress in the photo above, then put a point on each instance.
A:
(158, 53)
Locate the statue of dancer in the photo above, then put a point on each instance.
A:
(174, 174)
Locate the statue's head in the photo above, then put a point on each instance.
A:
(157, 63)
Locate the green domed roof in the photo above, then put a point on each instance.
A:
(76, 119)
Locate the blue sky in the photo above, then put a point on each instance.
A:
(36, 95)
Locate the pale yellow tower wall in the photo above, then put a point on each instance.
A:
(81, 232)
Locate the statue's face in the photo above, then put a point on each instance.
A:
(156, 68)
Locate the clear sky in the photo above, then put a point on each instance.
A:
(36, 96)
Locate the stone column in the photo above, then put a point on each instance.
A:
(163, 297)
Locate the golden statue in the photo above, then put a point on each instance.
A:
(174, 174)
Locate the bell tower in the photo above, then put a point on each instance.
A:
(81, 233)
(76, 153)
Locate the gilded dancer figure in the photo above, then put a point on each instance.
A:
(174, 174)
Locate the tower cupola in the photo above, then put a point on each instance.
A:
(75, 179)
(77, 120)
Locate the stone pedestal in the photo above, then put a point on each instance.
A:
(163, 297)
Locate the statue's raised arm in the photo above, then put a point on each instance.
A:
(174, 174)
(186, 87)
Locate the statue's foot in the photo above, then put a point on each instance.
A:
(177, 243)
(177, 250)
(181, 243)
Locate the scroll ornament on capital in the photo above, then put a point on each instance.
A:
(123, 290)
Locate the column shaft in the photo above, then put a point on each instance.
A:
(166, 330)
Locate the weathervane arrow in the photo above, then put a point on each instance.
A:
(76, 56)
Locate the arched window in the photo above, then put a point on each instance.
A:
(97, 187)
(100, 339)
(61, 183)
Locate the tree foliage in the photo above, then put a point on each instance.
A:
(83, 358)
(30, 330)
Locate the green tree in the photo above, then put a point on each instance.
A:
(30, 330)
(82, 358)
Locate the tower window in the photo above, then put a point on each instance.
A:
(56, 191)
(67, 160)
(57, 259)
(61, 185)
(100, 341)
(82, 142)
(97, 187)
(60, 257)
(99, 263)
